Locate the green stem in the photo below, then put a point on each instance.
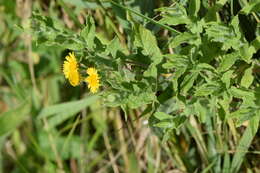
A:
(145, 17)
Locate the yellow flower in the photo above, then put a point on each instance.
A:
(92, 80)
(70, 69)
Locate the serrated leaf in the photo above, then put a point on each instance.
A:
(176, 60)
(177, 75)
(207, 89)
(247, 78)
(114, 46)
(148, 42)
(227, 76)
(188, 81)
(227, 61)
(174, 15)
(151, 71)
(196, 27)
(247, 96)
(240, 93)
(182, 38)
(137, 100)
(88, 32)
(227, 35)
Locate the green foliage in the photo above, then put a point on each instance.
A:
(10, 120)
(191, 68)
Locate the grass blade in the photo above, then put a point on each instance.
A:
(69, 108)
(244, 144)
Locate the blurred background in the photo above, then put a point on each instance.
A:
(46, 125)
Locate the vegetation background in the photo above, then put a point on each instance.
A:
(180, 86)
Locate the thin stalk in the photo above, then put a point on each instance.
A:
(145, 17)
(53, 146)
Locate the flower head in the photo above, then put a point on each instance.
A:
(91, 71)
(92, 80)
(70, 69)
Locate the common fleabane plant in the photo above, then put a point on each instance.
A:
(208, 68)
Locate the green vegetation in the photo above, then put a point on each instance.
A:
(179, 86)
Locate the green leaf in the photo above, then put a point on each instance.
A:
(247, 78)
(140, 99)
(162, 116)
(244, 144)
(226, 164)
(244, 114)
(164, 124)
(246, 52)
(47, 32)
(227, 35)
(175, 122)
(185, 37)
(88, 32)
(241, 112)
(222, 2)
(236, 27)
(174, 15)
(66, 41)
(240, 93)
(252, 6)
(188, 82)
(114, 46)
(176, 76)
(148, 42)
(10, 120)
(227, 76)
(201, 111)
(247, 95)
(256, 43)
(194, 7)
(227, 61)
(69, 108)
(225, 102)
(71, 150)
(176, 61)
(151, 71)
(205, 66)
(207, 89)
